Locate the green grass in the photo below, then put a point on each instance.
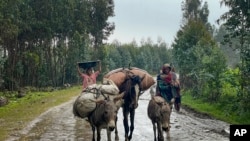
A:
(217, 110)
(19, 112)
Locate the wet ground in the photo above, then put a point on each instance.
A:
(59, 124)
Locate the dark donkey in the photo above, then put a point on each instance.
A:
(131, 87)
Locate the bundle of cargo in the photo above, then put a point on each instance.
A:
(107, 87)
(118, 76)
(85, 103)
(86, 65)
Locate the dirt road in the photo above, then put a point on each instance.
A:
(59, 124)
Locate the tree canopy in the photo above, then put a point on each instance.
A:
(41, 41)
(196, 54)
(237, 26)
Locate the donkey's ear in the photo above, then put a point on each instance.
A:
(119, 97)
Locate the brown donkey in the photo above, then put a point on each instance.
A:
(104, 116)
(159, 113)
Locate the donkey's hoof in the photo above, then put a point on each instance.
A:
(116, 138)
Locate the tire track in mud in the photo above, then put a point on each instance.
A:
(59, 124)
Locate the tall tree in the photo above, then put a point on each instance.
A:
(231, 51)
(193, 9)
(42, 40)
(237, 23)
(99, 13)
(195, 51)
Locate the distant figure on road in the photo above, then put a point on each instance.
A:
(177, 102)
(167, 84)
(89, 77)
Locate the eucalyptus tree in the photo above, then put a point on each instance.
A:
(231, 51)
(133, 50)
(113, 56)
(194, 52)
(237, 24)
(2, 61)
(125, 56)
(194, 10)
(45, 39)
(146, 53)
(164, 53)
(9, 20)
(99, 13)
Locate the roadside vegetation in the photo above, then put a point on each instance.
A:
(220, 110)
(20, 111)
(214, 64)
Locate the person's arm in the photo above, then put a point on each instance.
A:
(78, 69)
(99, 66)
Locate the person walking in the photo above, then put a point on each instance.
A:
(167, 84)
(89, 77)
(177, 101)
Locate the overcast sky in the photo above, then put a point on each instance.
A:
(140, 19)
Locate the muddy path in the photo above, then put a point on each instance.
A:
(59, 124)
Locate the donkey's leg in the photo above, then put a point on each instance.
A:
(169, 126)
(159, 129)
(132, 118)
(93, 131)
(154, 128)
(99, 134)
(108, 134)
(126, 127)
(168, 134)
(116, 131)
(125, 124)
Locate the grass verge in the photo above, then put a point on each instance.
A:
(17, 114)
(216, 110)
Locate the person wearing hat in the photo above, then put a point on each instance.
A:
(166, 84)
(89, 77)
(177, 89)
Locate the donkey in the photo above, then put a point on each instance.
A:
(104, 116)
(159, 113)
(130, 84)
(131, 87)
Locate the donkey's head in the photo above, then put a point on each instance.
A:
(131, 87)
(107, 111)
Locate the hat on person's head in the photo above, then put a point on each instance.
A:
(165, 66)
